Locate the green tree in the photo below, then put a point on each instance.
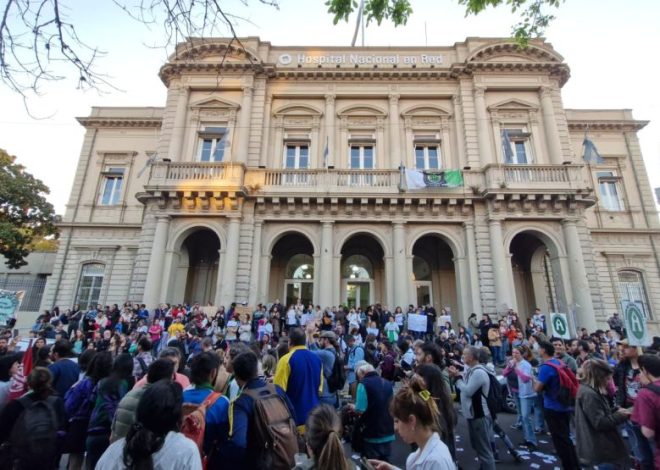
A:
(25, 214)
(534, 17)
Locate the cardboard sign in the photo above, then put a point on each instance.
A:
(244, 312)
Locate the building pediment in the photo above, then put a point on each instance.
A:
(513, 105)
(209, 50)
(217, 103)
(513, 52)
(425, 110)
(298, 110)
(362, 110)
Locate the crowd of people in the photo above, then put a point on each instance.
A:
(188, 387)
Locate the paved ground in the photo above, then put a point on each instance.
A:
(544, 458)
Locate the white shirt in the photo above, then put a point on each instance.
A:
(434, 456)
(291, 317)
(178, 453)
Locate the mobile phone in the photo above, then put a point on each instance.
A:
(365, 463)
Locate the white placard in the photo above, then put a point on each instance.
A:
(416, 322)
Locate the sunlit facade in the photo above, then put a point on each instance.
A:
(278, 173)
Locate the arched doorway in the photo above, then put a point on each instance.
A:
(198, 266)
(434, 273)
(534, 275)
(292, 270)
(362, 271)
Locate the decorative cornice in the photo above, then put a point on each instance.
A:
(606, 125)
(171, 70)
(97, 122)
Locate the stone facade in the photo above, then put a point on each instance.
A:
(277, 172)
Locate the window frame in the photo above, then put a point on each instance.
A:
(609, 179)
(644, 301)
(427, 142)
(297, 144)
(517, 135)
(219, 134)
(92, 287)
(111, 174)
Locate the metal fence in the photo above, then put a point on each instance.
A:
(32, 285)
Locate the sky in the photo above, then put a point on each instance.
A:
(611, 47)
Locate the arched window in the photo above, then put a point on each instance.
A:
(300, 267)
(89, 286)
(631, 289)
(357, 267)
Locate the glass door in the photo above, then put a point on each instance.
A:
(298, 290)
(358, 294)
(424, 293)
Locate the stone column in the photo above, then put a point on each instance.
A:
(401, 279)
(227, 280)
(471, 255)
(178, 132)
(265, 134)
(324, 276)
(483, 126)
(329, 133)
(501, 275)
(152, 287)
(584, 309)
(264, 286)
(244, 126)
(253, 296)
(395, 142)
(550, 126)
(459, 132)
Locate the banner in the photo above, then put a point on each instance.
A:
(433, 179)
(636, 328)
(416, 322)
(9, 303)
(559, 322)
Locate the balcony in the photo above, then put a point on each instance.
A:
(535, 178)
(196, 176)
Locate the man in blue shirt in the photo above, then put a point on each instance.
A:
(557, 415)
(355, 355)
(64, 369)
(203, 372)
(326, 350)
(239, 451)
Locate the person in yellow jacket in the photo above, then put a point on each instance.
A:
(175, 328)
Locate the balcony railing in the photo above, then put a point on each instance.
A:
(210, 176)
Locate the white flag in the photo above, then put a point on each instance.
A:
(415, 179)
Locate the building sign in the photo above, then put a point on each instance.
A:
(636, 328)
(9, 302)
(559, 323)
(359, 59)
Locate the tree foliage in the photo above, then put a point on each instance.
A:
(534, 17)
(25, 215)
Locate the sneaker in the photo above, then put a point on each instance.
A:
(516, 426)
(516, 456)
(540, 431)
(530, 445)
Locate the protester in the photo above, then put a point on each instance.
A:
(373, 398)
(173, 355)
(64, 369)
(647, 405)
(525, 394)
(154, 440)
(474, 385)
(323, 441)
(29, 448)
(557, 414)
(161, 369)
(325, 346)
(9, 364)
(300, 374)
(598, 440)
(415, 420)
(241, 451)
(109, 393)
(143, 358)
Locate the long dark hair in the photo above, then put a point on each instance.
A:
(158, 413)
(436, 385)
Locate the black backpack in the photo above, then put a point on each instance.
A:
(495, 397)
(337, 378)
(34, 436)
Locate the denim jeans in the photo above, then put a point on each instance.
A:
(525, 412)
(640, 446)
(516, 398)
(496, 352)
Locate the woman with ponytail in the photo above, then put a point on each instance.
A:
(415, 416)
(323, 436)
(154, 441)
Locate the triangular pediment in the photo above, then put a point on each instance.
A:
(513, 104)
(215, 102)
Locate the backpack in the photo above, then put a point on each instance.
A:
(273, 434)
(337, 378)
(495, 397)
(568, 383)
(194, 420)
(34, 436)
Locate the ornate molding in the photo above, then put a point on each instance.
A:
(607, 125)
(98, 122)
